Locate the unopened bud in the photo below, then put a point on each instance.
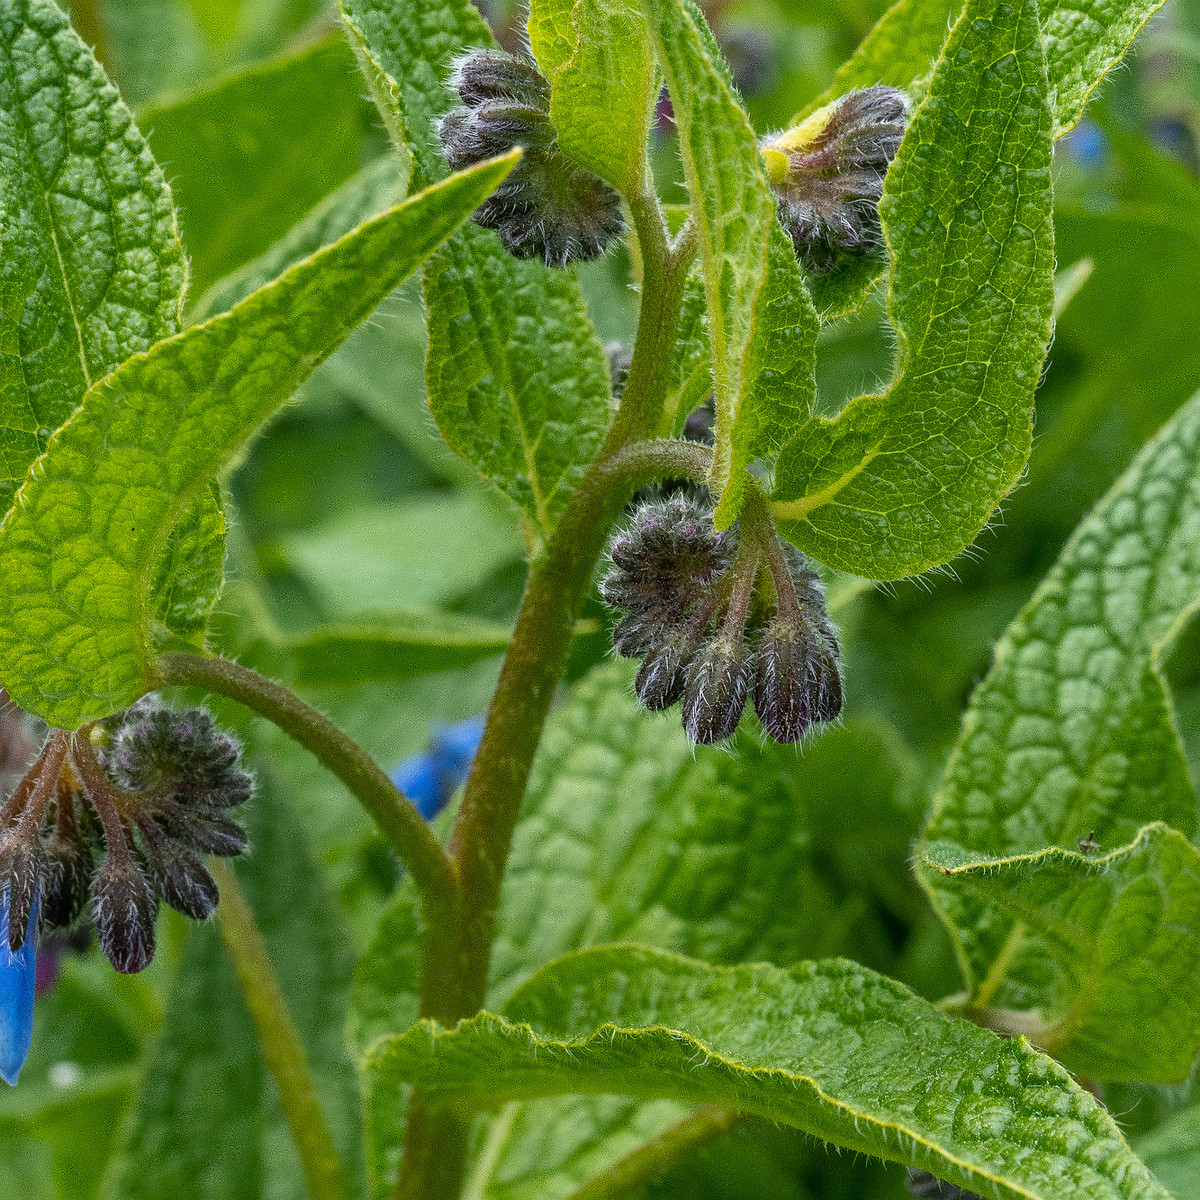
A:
(68, 876)
(828, 173)
(548, 207)
(715, 695)
(662, 677)
(185, 883)
(21, 864)
(204, 830)
(797, 680)
(124, 908)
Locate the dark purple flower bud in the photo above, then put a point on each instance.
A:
(204, 830)
(22, 861)
(548, 207)
(67, 880)
(662, 677)
(184, 882)
(828, 173)
(797, 680)
(124, 909)
(717, 682)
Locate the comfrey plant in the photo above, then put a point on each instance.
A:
(640, 934)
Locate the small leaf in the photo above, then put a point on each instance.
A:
(77, 553)
(829, 1047)
(1116, 984)
(395, 646)
(603, 85)
(898, 483)
(92, 269)
(190, 571)
(1071, 738)
(731, 200)
(252, 154)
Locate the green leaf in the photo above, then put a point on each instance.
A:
(1116, 982)
(628, 831)
(898, 483)
(604, 84)
(190, 571)
(252, 154)
(732, 204)
(92, 270)
(418, 553)
(1070, 737)
(394, 646)
(77, 554)
(414, 42)
(377, 187)
(779, 384)
(207, 1122)
(828, 1047)
(690, 379)
(518, 380)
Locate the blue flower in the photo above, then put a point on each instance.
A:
(17, 977)
(431, 777)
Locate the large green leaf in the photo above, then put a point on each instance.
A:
(518, 380)
(1172, 1152)
(207, 1122)
(77, 554)
(830, 1047)
(628, 831)
(600, 62)
(1070, 741)
(252, 154)
(898, 483)
(91, 267)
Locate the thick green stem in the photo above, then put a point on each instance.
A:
(399, 821)
(655, 1157)
(278, 1039)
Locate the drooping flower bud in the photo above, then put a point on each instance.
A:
(21, 864)
(124, 908)
(828, 173)
(67, 878)
(548, 207)
(715, 694)
(184, 882)
(797, 681)
(662, 677)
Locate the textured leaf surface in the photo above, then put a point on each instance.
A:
(206, 1076)
(1071, 735)
(252, 154)
(898, 483)
(829, 1047)
(731, 200)
(603, 84)
(628, 831)
(190, 571)
(518, 380)
(77, 554)
(1117, 985)
(91, 268)
(396, 646)
(690, 379)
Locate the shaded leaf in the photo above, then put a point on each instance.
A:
(828, 1047)
(190, 572)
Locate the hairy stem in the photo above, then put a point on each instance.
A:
(278, 1039)
(398, 820)
(650, 1160)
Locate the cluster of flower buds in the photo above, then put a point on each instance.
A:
(707, 632)
(828, 174)
(549, 207)
(118, 814)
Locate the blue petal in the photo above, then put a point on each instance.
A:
(419, 779)
(17, 972)
(454, 747)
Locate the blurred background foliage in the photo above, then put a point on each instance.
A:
(349, 505)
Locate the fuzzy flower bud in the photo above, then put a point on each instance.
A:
(66, 880)
(797, 681)
(662, 677)
(124, 908)
(548, 207)
(21, 863)
(715, 693)
(828, 173)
